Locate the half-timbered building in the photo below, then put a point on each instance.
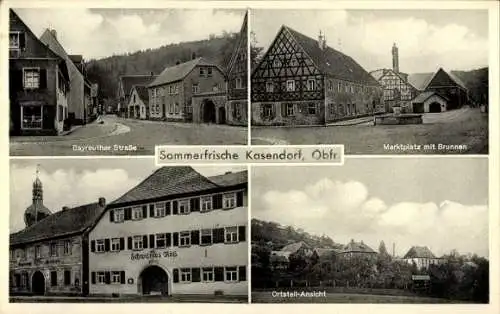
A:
(124, 89)
(302, 81)
(177, 232)
(38, 83)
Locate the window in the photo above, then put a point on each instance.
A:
(352, 89)
(290, 85)
(231, 274)
(185, 274)
(115, 277)
(339, 86)
(99, 246)
(31, 77)
(161, 240)
(267, 111)
(184, 207)
(133, 98)
(31, 117)
(277, 63)
(53, 278)
(53, 249)
(230, 234)
(176, 89)
(137, 243)
(206, 203)
(137, 213)
(67, 247)
(229, 200)
(196, 88)
(115, 244)
(185, 238)
(207, 274)
(160, 210)
(38, 251)
(101, 277)
(202, 71)
(311, 84)
(289, 110)
(119, 215)
(209, 72)
(347, 88)
(14, 42)
(67, 277)
(330, 85)
(311, 108)
(269, 87)
(239, 83)
(206, 237)
(24, 279)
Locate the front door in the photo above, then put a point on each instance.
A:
(154, 280)
(38, 283)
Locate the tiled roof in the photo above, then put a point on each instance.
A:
(230, 179)
(456, 79)
(169, 181)
(64, 222)
(377, 74)
(242, 38)
(142, 91)
(420, 80)
(422, 97)
(357, 247)
(325, 253)
(178, 72)
(129, 81)
(419, 252)
(333, 62)
(294, 247)
(279, 256)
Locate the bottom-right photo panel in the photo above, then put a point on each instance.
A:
(375, 230)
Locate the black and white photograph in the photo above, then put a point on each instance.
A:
(121, 230)
(406, 230)
(120, 81)
(377, 81)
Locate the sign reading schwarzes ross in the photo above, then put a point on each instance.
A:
(153, 255)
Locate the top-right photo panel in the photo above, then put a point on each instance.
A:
(376, 81)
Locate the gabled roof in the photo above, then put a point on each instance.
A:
(129, 81)
(357, 247)
(419, 252)
(420, 80)
(453, 77)
(422, 97)
(325, 253)
(378, 74)
(53, 44)
(241, 39)
(179, 71)
(294, 247)
(142, 92)
(332, 62)
(65, 222)
(169, 181)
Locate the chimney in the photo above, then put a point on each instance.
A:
(395, 58)
(54, 33)
(102, 201)
(321, 41)
(65, 208)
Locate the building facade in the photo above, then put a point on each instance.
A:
(429, 102)
(358, 249)
(450, 87)
(171, 93)
(124, 90)
(38, 83)
(421, 256)
(50, 255)
(177, 232)
(138, 106)
(302, 81)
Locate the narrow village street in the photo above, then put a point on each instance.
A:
(126, 137)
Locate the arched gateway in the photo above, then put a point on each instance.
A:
(38, 283)
(209, 115)
(153, 280)
(435, 107)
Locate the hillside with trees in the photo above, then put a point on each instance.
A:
(106, 71)
(476, 82)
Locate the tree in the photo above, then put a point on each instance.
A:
(255, 51)
(382, 250)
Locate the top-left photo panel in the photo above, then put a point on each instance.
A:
(120, 81)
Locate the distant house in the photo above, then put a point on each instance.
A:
(302, 81)
(39, 83)
(325, 254)
(279, 260)
(138, 106)
(124, 90)
(171, 93)
(398, 92)
(298, 249)
(78, 90)
(353, 249)
(421, 256)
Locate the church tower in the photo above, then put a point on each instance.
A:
(395, 58)
(36, 211)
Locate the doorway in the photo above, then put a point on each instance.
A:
(208, 111)
(38, 283)
(153, 280)
(435, 107)
(222, 115)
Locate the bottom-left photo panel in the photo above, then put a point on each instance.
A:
(124, 230)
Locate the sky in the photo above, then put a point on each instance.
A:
(98, 33)
(71, 182)
(441, 203)
(427, 39)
